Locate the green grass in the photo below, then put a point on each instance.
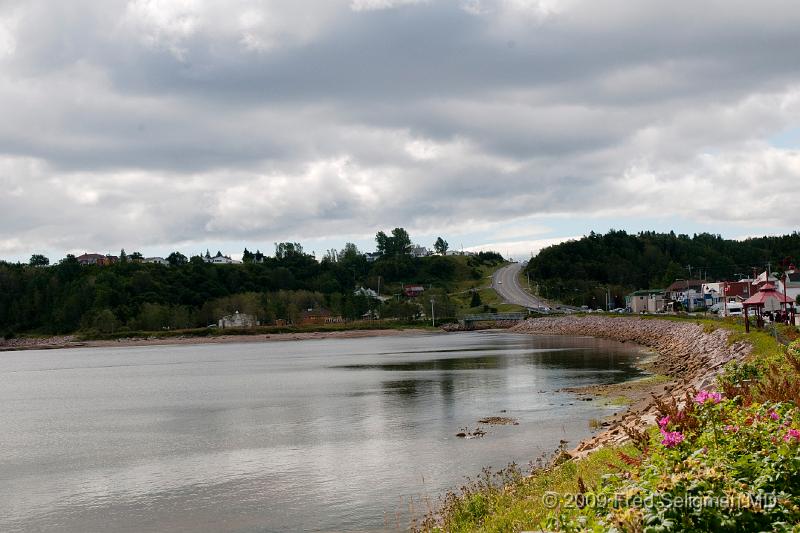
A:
(510, 501)
(462, 296)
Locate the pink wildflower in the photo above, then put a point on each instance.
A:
(775, 416)
(664, 422)
(671, 438)
(792, 434)
(732, 429)
(704, 396)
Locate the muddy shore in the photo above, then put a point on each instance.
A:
(684, 353)
(70, 341)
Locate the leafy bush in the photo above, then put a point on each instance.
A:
(737, 470)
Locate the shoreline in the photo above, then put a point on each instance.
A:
(685, 353)
(70, 341)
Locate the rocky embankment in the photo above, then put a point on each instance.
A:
(687, 353)
(37, 343)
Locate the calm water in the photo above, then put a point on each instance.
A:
(323, 435)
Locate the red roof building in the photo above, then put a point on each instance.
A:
(768, 299)
(737, 289)
(412, 291)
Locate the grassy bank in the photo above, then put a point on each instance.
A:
(740, 446)
(261, 330)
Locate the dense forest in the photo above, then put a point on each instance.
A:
(131, 295)
(579, 272)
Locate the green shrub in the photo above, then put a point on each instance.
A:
(738, 471)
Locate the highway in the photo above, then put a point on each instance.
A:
(505, 282)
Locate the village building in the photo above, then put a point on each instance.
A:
(792, 283)
(318, 316)
(646, 301)
(769, 302)
(96, 259)
(363, 291)
(418, 251)
(687, 292)
(412, 291)
(238, 320)
(219, 259)
(156, 261)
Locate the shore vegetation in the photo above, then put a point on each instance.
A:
(724, 458)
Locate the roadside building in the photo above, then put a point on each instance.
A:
(738, 290)
(792, 282)
(687, 292)
(764, 278)
(646, 301)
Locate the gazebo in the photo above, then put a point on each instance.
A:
(767, 299)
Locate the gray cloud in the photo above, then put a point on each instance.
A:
(169, 123)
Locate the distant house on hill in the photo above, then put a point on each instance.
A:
(362, 291)
(238, 320)
(96, 259)
(412, 291)
(219, 259)
(418, 251)
(156, 260)
(319, 315)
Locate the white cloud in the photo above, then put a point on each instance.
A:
(155, 122)
(373, 5)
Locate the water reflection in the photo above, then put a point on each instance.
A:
(318, 435)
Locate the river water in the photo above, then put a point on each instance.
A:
(318, 435)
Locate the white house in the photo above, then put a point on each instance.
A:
(220, 259)
(238, 320)
(418, 251)
(156, 260)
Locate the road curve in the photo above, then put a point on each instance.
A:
(505, 282)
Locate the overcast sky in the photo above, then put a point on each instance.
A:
(160, 125)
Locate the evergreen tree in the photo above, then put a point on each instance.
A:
(441, 246)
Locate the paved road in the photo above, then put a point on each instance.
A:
(505, 282)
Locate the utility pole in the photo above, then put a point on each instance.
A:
(433, 312)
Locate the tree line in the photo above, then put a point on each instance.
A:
(190, 292)
(579, 272)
